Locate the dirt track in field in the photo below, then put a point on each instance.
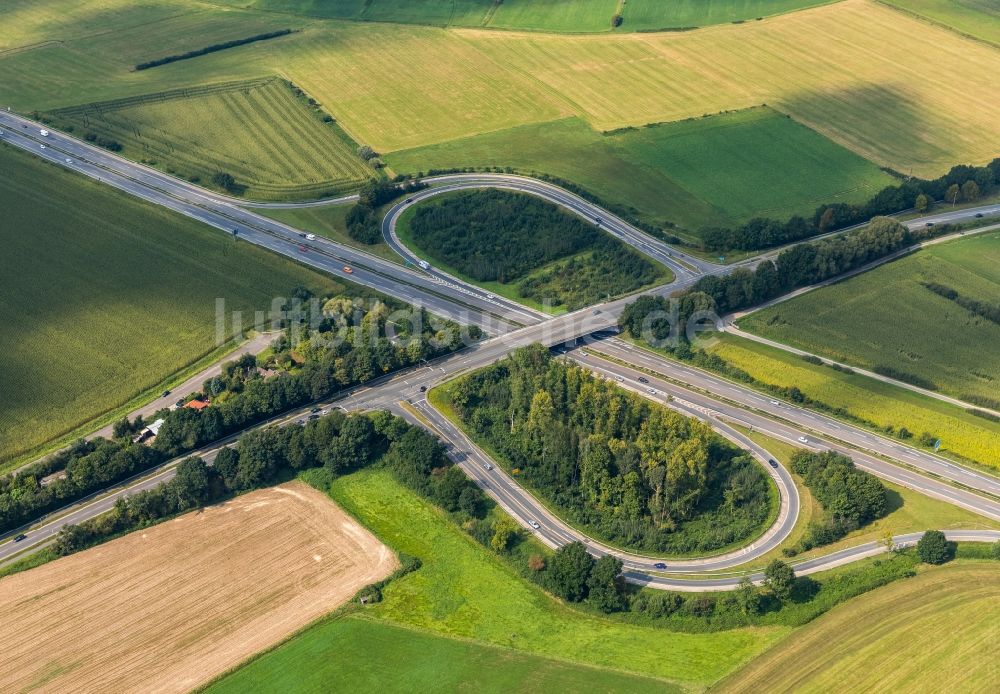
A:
(168, 608)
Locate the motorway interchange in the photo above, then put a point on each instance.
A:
(689, 390)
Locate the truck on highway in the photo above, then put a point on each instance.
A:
(424, 264)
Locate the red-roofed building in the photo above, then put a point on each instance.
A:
(197, 404)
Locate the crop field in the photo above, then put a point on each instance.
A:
(887, 317)
(722, 169)
(181, 602)
(463, 591)
(105, 297)
(977, 18)
(363, 654)
(934, 632)
(260, 132)
(883, 404)
(383, 82)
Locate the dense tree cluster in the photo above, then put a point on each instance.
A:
(574, 575)
(338, 443)
(241, 396)
(363, 224)
(499, 236)
(631, 471)
(850, 497)
(962, 183)
(934, 548)
(211, 49)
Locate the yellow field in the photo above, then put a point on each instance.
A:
(894, 89)
(168, 608)
(897, 90)
(937, 632)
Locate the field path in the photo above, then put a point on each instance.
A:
(171, 607)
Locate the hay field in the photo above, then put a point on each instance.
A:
(259, 131)
(168, 608)
(978, 18)
(935, 632)
(848, 70)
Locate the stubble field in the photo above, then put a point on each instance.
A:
(167, 608)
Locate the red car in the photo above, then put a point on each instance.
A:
(302, 249)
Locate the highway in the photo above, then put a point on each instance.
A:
(514, 326)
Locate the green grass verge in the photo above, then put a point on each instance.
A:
(718, 170)
(464, 591)
(932, 633)
(650, 15)
(887, 317)
(358, 654)
(260, 132)
(328, 221)
(106, 296)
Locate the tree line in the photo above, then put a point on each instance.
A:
(241, 397)
(851, 498)
(960, 184)
(336, 443)
(632, 472)
(211, 49)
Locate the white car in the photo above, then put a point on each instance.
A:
(488, 467)
(534, 524)
(68, 160)
(803, 439)
(42, 146)
(620, 379)
(775, 402)
(651, 391)
(491, 296)
(310, 237)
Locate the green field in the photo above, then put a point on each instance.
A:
(382, 81)
(718, 170)
(357, 654)
(464, 591)
(977, 18)
(649, 15)
(876, 402)
(935, 632)
(105, 297)
(573, 16)
(887, 317)
(258, 131)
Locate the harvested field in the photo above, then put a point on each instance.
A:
(171, 607)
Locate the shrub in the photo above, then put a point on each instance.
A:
(934, 548)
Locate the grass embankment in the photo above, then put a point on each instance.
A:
(525, 249)
(889, 318)
(462, 590)
(718, 170)
(381, 81)
(260, 132)
(105, 297)
(881, 404)
(935, 632)
(908, 511)
(361, 654)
